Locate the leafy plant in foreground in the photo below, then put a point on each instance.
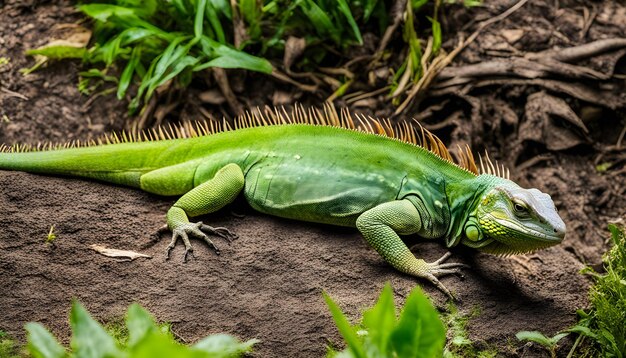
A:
(145, 339)
(605, 321)
(417, 332)
(549, 343)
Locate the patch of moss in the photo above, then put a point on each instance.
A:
(459, 344)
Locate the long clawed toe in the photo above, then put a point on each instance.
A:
(222, 232)
(200, 231)
(440, 268)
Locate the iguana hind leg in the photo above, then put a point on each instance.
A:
(206, 198)
(380, 227)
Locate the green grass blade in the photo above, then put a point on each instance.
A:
(368, 9)
(319, 19)
(199, 19)
(415, 49)
(179, 66)
(164, 65)
(436, 27)
(180, 6)
(345, 9)
(417, 4)
(214, 20)
(129, 70)
(59, 52)
(225, 57)
(223, 6)
(171, 53)
(42, 344)
(89, 339)
(347, 331)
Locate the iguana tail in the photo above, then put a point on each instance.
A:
(121, 164)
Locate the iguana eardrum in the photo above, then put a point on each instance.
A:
(319, 166)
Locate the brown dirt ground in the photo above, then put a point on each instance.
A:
(268, 283)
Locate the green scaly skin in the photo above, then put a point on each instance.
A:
(382, 186)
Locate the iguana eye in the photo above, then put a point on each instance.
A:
(519, 208)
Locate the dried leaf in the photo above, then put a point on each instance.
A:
(294, 47)
(131, 255)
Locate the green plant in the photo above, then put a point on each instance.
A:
(459, 345)
(549, 343)
(163, 45)
(144, 338)
(52, 236)
(417, 332)
(8, 348)
(603, 323)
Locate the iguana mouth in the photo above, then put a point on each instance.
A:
(498, 248)
(514, 230)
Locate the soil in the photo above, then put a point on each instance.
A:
(268, 284)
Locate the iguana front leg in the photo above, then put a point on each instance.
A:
(380, 227)
(206, 198)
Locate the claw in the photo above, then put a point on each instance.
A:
(198, 230)
(188, 251)
(433, 279)
(222, 232)
(438, 268)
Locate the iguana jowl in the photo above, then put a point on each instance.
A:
(317, 166)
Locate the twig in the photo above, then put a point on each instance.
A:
(397, 13)
(283, 77)
(580, 52)
(13, 94)
(533, 161)
(522, 67)
(351, 98)
(618, 145)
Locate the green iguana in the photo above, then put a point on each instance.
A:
(317, 165)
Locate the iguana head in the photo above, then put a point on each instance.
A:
(511, 220)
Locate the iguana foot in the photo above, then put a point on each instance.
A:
(200, 231)
(438, 268)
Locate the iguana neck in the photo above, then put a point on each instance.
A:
(463, 199)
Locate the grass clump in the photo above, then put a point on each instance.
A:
(416, 332)
(459, 344)
(8, 347)
(601, 328)
(160, 44)
(604, 323)
(141, 337)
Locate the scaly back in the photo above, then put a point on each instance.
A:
(42, 157)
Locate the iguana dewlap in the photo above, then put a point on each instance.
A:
(319, 166)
